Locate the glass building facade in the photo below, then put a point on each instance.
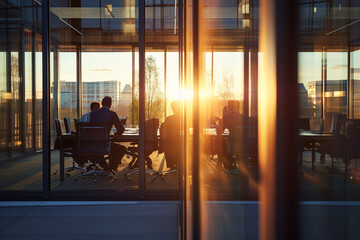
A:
(278, 63)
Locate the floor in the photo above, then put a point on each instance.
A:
(325, 182)
(88, 220)
(160, 220)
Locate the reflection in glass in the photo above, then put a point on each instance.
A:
(19, 116)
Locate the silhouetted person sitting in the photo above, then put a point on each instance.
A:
(170, 137)
(230, 119)
(105, 115)
(93, 107)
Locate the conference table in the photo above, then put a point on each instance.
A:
(313, 137)
(129, 135)
(132, 135)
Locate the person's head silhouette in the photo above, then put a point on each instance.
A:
(94, 106)
(175, 106)
(107, 102)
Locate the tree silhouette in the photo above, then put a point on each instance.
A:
(227, 86)
(154, 107)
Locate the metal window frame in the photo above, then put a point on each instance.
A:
(46, 96)
(196, 201)
(142, 99)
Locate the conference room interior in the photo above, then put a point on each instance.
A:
(97, 44)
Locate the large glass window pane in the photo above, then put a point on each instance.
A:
(355, 77)
(162, 94)
(310, 84)
(97, 54)
(221, 130)
(38, 97)
(20, 165)
(67, 85)
(336, 83)
(328, 117)
(28, 101)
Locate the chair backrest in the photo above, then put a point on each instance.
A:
(327, 121)
(338, 123)
(170, 135)
(151, 139)
(76, 123)
(236, 141)
(353, 137)
(67, 125)
(243, 141)
(58, 127)
(92, 139)
(321, 126)
(304, 123)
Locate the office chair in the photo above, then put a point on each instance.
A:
(353, 141)
(151, 145)
(92, 142)
(242, 148)
(337, 127)
(341, 149)
(169, 140)
(67, 125)
(67, 148)
(76, 123)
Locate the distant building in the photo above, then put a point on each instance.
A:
(68, 99)
(67, 94)
(303, 101)
(125, 101)
(126, 95)
(95, 91)
(335, 97)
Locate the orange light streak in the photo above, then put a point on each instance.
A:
(267, 118)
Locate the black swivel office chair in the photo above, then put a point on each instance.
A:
(242, 148)
(67, 125)
(67, 148)
(76, 123)
(339, 148)
(151, 145)
(169, 144)
(337, 127)
(92, 142)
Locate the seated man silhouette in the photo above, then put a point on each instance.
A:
(170, 137)
(231, 118)
(93, 107)
(105, 115)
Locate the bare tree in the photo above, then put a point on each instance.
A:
(15, 75)
(154, 107)
(226, 88)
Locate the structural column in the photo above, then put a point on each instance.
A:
(196, 206)
(79, 80)
(278, 120)
(142, 98)
(46, 96)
